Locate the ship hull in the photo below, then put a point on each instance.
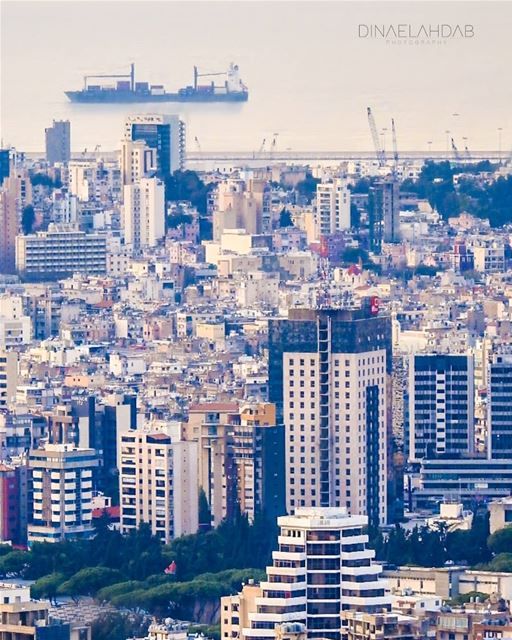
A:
(124, 97)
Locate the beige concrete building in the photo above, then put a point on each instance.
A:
(15, 194)
(328, 368)
(138, 160)
(158, 483)
(236, 609)
(241, 205)
(501, 514)
(239, 448)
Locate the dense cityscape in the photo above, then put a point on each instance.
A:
(262, 401)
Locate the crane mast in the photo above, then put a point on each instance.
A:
(381, 154)
(395, 146)
(455, 151)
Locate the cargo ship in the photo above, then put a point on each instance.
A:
(126, 89)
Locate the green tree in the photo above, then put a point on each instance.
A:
(88, 581)
(47, 586)
(14, 563)
(28, 217)
(307, 187)
(501, 541)
(205, 515)
(119, 626)
(186, 185)
(285, 218)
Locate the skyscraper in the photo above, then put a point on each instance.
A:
(384, 212)
(328, 375)
(332, 207)
(320, 569)
(165, 134)
(58, 142)
(441, 398)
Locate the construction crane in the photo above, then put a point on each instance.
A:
(467, 152)
(455, 151)
(274, 143)
(198, 145)
(395, 146)
(381, 154)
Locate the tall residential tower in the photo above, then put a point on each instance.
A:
(328, 375)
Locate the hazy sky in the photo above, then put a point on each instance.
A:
(309, 74)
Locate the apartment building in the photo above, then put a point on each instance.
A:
(321, 569)
(158, 483)
(328, 375)
(62, 486)
(441, 406)
(60, 252)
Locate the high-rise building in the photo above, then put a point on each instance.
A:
(15, 194)
(60, 252)
(8, 376)
(144, 213)
(241, 458)
(58, 142)
(441, 399)
(328, 375)
(62, 485)
(165, 134)
(158, 483)
(499, 430)
(332, 207)
(384, 212)
(138, 160)
(321, 569)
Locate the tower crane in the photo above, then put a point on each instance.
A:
(274, 143)
(395, 146)
(381, 154)
(455, 151)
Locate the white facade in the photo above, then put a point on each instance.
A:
(489, 257)
(320, 569)
(332, 207)
(158, 483)
(258, 288)
(62, 478)
(138, 161)
(144, 213)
